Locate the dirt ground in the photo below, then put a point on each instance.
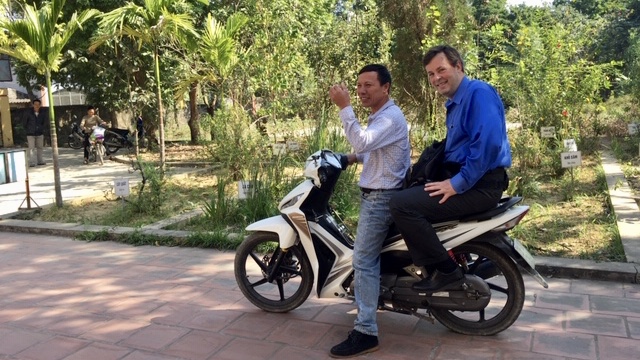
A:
(173, 152)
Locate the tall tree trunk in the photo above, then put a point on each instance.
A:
(194, 117)
(54, 143)
(156, 60)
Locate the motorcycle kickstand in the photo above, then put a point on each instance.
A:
(427, 317)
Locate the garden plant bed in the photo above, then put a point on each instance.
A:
(580, 227)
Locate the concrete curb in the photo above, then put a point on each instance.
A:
(588, 269)
(624, 206)
(73, 230)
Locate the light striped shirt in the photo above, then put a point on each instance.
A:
(383, 147)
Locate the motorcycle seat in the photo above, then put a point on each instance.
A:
(504, 204)
(122, 132)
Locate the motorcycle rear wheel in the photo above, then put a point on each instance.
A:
(292, 281)
(111, 143)
(507, 292)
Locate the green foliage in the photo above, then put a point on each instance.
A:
(102, 235)
(218, 239)
(327, 134)
(151, 193)
(220, 208)
(238, 143)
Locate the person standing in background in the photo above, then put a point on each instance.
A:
(35, 122)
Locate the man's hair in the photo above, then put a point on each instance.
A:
(383, 73)
(449, 52)
(37, 101)
(90, 107)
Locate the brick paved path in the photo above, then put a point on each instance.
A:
(65, 299)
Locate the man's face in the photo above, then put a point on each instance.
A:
(444, 77)
(36, 106)
(91, 112)
(371, 93)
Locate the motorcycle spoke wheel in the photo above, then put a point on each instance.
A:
(507, 292)
(75, 143)
(272, 279)
(111, 143)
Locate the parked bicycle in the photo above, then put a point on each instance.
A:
(96, 147)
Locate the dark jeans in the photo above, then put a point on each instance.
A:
(413, 211)
(86, 145)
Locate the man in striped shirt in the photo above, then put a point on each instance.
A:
(383, 149)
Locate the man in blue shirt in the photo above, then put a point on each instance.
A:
(472, 177)
(383, 149)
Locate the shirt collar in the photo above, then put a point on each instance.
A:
(460, 92)
(390, 102)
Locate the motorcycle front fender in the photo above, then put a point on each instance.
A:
(276, 224)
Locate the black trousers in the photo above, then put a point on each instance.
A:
(86, 145)
(413, 211)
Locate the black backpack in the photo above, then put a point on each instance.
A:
(425, 169)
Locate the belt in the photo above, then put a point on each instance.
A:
(498, 170)
(368, 191)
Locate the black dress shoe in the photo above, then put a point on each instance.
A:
(356, 344)
(438, 281)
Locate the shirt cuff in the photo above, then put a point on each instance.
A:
(347, 113)
(459, 184)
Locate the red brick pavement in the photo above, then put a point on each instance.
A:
(65, 299)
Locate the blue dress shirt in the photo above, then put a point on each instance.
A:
(476, 133)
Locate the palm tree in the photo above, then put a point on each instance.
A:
(38, 40)
(152, 24)
(217, 48)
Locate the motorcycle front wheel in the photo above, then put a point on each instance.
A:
(507, 291)
(75, 142)
(260, 257)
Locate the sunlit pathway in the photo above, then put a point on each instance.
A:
(66, 299)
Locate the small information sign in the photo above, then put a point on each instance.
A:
(279, 149)
(293, 146)
(570, 145)
(245, 189)
(121, 187)
(571, 159)
(548, 131)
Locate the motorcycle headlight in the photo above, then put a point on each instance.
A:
(291, 202)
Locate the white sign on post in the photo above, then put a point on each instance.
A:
(293, 145)
(571, 159)
(279, 149)
(121, 187)
(548, 131)
(633, 128)
(245, 189)
(570, 145)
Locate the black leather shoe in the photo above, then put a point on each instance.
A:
(438, 281)
(356, 344)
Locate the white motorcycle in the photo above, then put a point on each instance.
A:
(278, 264)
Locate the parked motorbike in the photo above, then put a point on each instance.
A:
(307, 246)
(115, 139)
(76, 137)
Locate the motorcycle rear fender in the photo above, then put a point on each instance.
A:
(504, 243)
(276, 224)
